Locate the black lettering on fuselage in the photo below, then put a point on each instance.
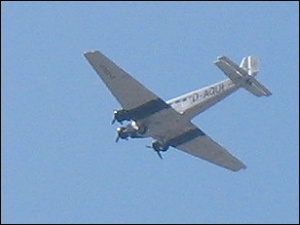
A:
(219, 88)
(195, 97)
(213, 90)
(206, 93)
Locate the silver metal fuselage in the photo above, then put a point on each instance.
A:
(195, 102)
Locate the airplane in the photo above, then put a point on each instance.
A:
(169, 122)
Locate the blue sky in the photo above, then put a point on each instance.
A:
(59, 161)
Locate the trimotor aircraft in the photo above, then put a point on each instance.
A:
(169, 122)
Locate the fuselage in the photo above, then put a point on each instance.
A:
(195, 102)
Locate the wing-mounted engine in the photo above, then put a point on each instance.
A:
(121, 115)
(159, 147)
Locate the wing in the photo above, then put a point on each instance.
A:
(132, 95)
(128, 91)
(197, 143)
(141, 103)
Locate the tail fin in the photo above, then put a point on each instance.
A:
(243, 75)
(250, 65)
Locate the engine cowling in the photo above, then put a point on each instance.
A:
(157, 146)
(139, 128)
(122, 133)
(132, 130)
(121, 115)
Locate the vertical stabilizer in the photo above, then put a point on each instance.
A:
(250, 65)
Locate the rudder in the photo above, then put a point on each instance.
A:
(250, 65)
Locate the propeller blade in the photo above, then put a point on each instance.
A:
(117, 138)
(114, 120)
(159, 154)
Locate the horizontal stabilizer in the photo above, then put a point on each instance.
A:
(256, 88)
(243, 75)
(229, 68)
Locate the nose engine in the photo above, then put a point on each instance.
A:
(122, 133)
(132, 130)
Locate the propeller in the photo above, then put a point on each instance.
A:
(121, 133)
(114, 117)
(117, 138)
(158, 152)
(114, 120)
(118, 114)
